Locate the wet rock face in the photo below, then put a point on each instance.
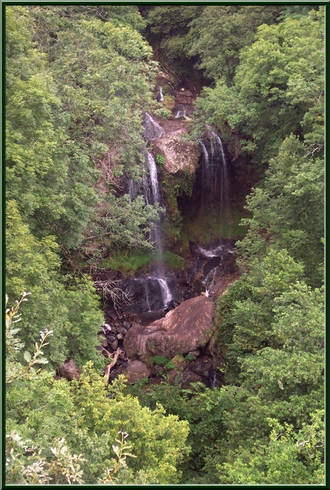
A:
(184, 97)
(145, 294)
(179, 155)
(184, 329)
(212, 269)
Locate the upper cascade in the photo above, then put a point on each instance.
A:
(152, 129)
(215, 175)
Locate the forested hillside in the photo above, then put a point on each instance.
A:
(84, 107)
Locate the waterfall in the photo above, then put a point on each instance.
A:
(224, 182)
(156, 232)
(160, 97)
(152, 129)
(215, 193)
(134, 189)
(151, 163)
(155, 292)
(183, 111)
(213, 269)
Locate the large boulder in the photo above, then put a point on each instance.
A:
(180, 155)
(69, 370)
(136, 370)
(184, 329)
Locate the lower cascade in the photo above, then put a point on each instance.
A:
(156, 233)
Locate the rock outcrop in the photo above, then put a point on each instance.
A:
(180, 155)
(184, 329)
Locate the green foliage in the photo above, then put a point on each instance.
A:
(190, 357)
(221, 31)
(158, 360)
(126, 262)
(168, 33)
(203, 409)
(249, 304)
(126, 223)
(287, 210)
(162, 361)
(68, 108)
(160, 159)
(36, 162)
(272, 325)
(71, 423)
(164, 113)
(78, 81)
(287, 458)
(277, 90)
(174, 260)
(69, 307)
(15, 370)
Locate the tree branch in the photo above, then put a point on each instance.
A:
(111, 365)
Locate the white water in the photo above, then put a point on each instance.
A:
(161, 97)
(182, 111)
(215, 193)
(153, 177)
(216, 252)
(166, 293)
(156, 232)
(224, 189)
(209, 281)
(152, 129)
(205, 154)
(211, 278)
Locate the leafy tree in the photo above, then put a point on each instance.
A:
(169, 34)
(198, 405)
(55, 161)
(287, 211)
(54, 143)
(106, 87)
(54, 426)
(281, 380)
(71, 310)
(35, 161)
(252, 315)
(219, 33)
(126, 223)
(278, 89)
(298, 323)
(288, 458)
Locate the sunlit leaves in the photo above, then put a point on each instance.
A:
(219, 33)
(283, 460)
(278, 87)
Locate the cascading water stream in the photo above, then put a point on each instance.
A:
(152, 129)
(215, 178)
(215, 196)
(160, 92)
(210, 254)
(224, 183)
(156, 233)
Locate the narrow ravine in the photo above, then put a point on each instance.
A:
(157, 299)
